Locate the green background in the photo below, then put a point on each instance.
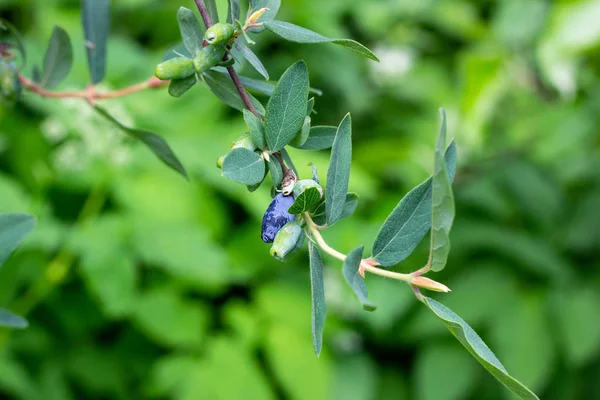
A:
(163, 289)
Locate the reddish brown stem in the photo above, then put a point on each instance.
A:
(204, 13)
(90, 94)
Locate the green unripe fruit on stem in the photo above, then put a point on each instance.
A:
(244, 141)
(175, 68)
(10, 86)
(287, 241)
(208, 57)
(219, 34)
(304, 184)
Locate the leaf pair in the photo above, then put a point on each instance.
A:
(13, 229)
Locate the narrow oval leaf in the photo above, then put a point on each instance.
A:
(338, 173)
(482, 353)
(58, 58)
(306, 201)
(244, 166)
(177, 87)
(256, 129)
(295, 33)
(317, 288)
(288, 160)
(156, 143)
(356, 282)
(310, 106)
(408, 223)
(225, 90)
(211, 7)
(191, 31)
(302, 136)
(233, 11)
(11, 320)
(13, 229)
(286, 108)
(252, 59)
(95, 18)
(276, 172)
(319, 138)
(442, 205)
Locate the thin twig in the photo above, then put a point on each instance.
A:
(89, 94)
(204, 13)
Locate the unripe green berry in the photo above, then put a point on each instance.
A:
(219, 34)
(244, 141)
(287, 241)
(304, 184)
(175, 68)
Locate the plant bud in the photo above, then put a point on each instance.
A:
(256, 15)
(288, 241)
(304, 184)
(244, 141)
(276, 217)
(175, 68)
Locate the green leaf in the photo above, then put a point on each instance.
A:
(302, 136)
(338, 173)
(320, 214)
(319, 138)
(170, 319)
(244, 166)
(157, 144)
(58, 58)
(211, 7)
(473, 343)
(408, 223)
(252, 59)
(11, 320)
(442, 204)
(295, 33)
(318, 309)
(191, 31)
(95, 18)
(13, 229)
(286, 108)
(356, 282)
(307, 201)
(225, 90)
(573, 308)
(256, 129)
(276, 172)
(233, 11)
(444, 372)
(10, 34)
(178, 87)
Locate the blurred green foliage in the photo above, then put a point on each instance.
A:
(139, 284)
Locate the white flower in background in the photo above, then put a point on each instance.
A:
(85, 135)
(395, 62)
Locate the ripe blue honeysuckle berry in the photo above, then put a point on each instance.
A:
(304, 184)
(287, 241)
(276, 217)
(175, 68)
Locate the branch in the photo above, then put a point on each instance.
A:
(369, 265)
(89, 94)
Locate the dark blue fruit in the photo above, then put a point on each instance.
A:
(276, 217)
